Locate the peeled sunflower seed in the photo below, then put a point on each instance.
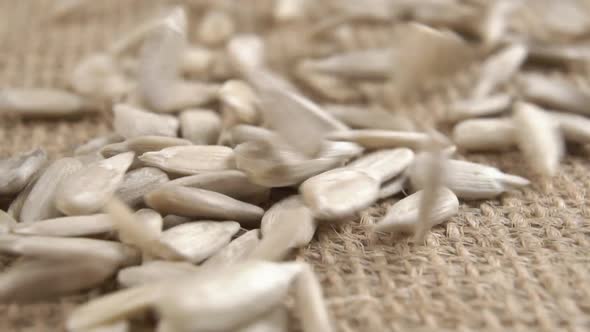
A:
(16, 172)
(142, 144)
(495, 23)
(15, 208)
(99, 76)
(539, 138)
(36, 280)
(39, 204)
(197, 241)
(234, 297)
(131, 122)
(154, 271)
(61, 248)
(238, 98)
(88, 190)
(191, 159)
(382, 139)
(330, 87)
(7, 222)
(402, 217)
(152, 220)
(232, 183)
(473, 108)
(172, 220)
(468, 180)
(49, 103)
(96, 144)
(120, 326)
(555, 93)
(435, 172)
(392, 187)
(310, 303)
(216, 27)
(276, 321)
(67, 226)
(370, 118)
(574, 128)
(341, 150)
(236, 251)
(339, 193)
(245, 133)
(291, 210)
(560, 54)
(246, 53)
(499, 68)
(385, 164)
(365, 64)
(197, 60)
(485, 134)
(289, 10)
(198, 203)
(200, 126)
(139, 182)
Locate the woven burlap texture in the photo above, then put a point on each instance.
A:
(516, 263)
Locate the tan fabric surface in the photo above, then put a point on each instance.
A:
(517, 263)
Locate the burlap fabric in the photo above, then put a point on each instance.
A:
(516, 263)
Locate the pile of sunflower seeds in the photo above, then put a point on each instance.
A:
(170, 201)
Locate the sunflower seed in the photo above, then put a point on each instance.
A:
(485, 134)
(235, 296)
(197, 241)
(152, 220)
(246, 53)
(172, 220)
(99, 76)
(559, 54)
(382, 139)
(137, 232)
(275, 245)
(330, 87)
(119, 326)
(131, 122)
(402, 217)
(139, 182)
(236, 251)
(434, 165)
(379, 10)
(96, 144)
(370, 118)
(17, 172)
(275, 321)
(216, 27)
(330, 194)
(289, 10)
(392, 187)
(310, 303)
(555, 93)
(468, 180)
(232, 183)
(39, 203)
(7, 222)
(61, 248)
(245, 133)
(291, 210)
(197, 60)
(143, 144)
(496, 20)
(472, 108)
(15, 208)
(499, 68)
(385, 164)
(67, 226)
(538, 138)
(88, 190)
(44, 103)
(239, 99)
(200, 126)
(574, 128)
(198, 203)
(343, 151)
(29, 281)
(365, 64)
(132, 39)
(154, 271)
(192, 159)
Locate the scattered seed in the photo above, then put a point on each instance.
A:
(555, 93)
(120, 326)
(327, 86)
(139, 182)
(499, 68)
(67, 226)
(154, 271)
(7, 222)
(239, 100)
(382, 139)
(291, 210)
(197, 60)
(18, 171)
(200, 126)
(204, 204)
(574, 128)
(131, 122)
(142, 144)
(98, 76)
(496, 21)
(172, 220)
(392, 187)
(44, 103)
(310, 302)
(339, 193)
(559, 54)
(385, 164)
(365, 64)
(276, 321)
(472, 108)
(89, 189)
(64, 8)
(538, 138)
(94, 145)
(246, 53)
(289, 10)
(216, 27)
(192, 159)
(370, 118)
(236, 251)
(485, 134)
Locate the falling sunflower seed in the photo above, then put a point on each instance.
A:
(384, 165)
(574, 128)
(216, 27)
(499, 68)
(365, 64)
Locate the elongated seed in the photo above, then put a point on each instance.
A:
(485, 134)
(291, 210)
(16, 172)
(43, 103)
(139, 182)
(236, 251)
(67, 226)
(555, 93)
(392, 187)
(370, 118)
(200, 126)
(96, 144)
(385, 164)
(7, 222)
(310, 302)
(276, 321)
(142, 144)
(499, 68)
(118, 326)
(239, 99)
(204, 204)
(365, 64)
(131, 122)
(154, 271)
(99, 76)
(216, 27)
(382, 139)
(192, 159)
(472, 108)
(574, 128)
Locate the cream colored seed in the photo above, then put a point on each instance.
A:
(119, 326)
(392, 187)
(67, 226)
(365, 64)
(152, 220)
(310, 303)
(99, 76)
(39, 204)
(216, 27)
(172, 220)
(472, 108)
(132, 122)
(200, 126)
(276, 321)
(232, 183)
(291, 210)
(43, 103)
(574, 128)
(88, 190)
(191, 159)
(94, 145)
(7, 222)
(385, 164)
(197, 60)
(555, 93)
(239, 99)
(325, 85)
(402, 217)
(339, 193)
(197, 241)
(139, 182)
(485, 134)
(198, 203)
(559, 54)
(236, 251)
(154, 271)
(289, 10)
(499, 68)
(15, 208)
(18, 171)
(246, 53)
(371, 118)
(142, 144)
(382, 139)
(538, 138)
(494, 26)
